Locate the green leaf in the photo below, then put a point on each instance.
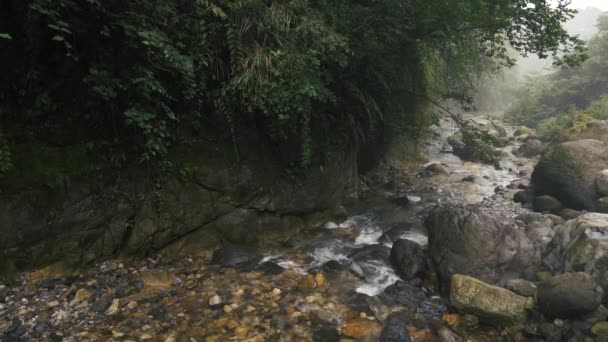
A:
(58, 38)
(5, 36)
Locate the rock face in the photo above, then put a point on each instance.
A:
(568, 172)
(581, 245)
(213, 199)
(492, 304)
(569, 295)
(408, 259)
(476, 242)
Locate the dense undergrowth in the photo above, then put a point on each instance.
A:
(125, 81)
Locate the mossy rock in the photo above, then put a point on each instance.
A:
(524, 131)
(493, 305)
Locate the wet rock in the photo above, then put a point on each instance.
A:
(236, 256)
(602, 205)
(408, 294)
(371, 252)
(473, 179)
(522, 287)
(531, 148)
(477, 242)
(569, 295)
(523, 197)
(433, 308)
(547, 203)
(101, 304)
(581, 244)
(114, 308)
(492, 304)
(395, 329)
(437, 168)
(270, 268)
(158, 278)
(570, 214)
(444, 333)
(600, 329)
(82, 295)
(408, 259)
(361, 328)
(568, 172)
(326, 333)
(601, 183)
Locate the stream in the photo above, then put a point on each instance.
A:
(335, 283)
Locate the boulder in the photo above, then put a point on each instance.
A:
(547, 203)
(569, 295)
(523, 130)
(568, 172)
(408, 294)
(395, 328)
(523, 197)
(236, 256)
(492, 304)
(479, 242)
(408, 259)
(601, 182)
(531, 148)
(581, 245)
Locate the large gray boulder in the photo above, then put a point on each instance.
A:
(478, 242)
(581, 245)
(569, 295)
(568, 172)
(492, 304)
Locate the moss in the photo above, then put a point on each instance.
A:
(36, 166)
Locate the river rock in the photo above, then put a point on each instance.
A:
(522, 287)
(600, 329)
(408, 294)
(524, 197)
(408, 259)
(547, 203)
(492, 304)
(361, 328)
(602, 205)
(569, 295)
(531, 148)
(395, 328)
(568, 172)
(480, 242)
(581, 244)
(236, 256)
(437, 168)
(601, 182)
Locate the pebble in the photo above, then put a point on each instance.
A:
(215, 300)
(227, 308)
(114, 308)
(276, 292)
(241, 331)
(82, 295)
(53, 304)
(145, 337)
(171, 339)
(311, 299)
(132, 305)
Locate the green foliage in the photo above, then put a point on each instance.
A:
(558, 128)
(553, 95)
(131, 79)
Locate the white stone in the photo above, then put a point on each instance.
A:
(114, 308)
(215, 300)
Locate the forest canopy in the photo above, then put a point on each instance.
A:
(126, 81)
